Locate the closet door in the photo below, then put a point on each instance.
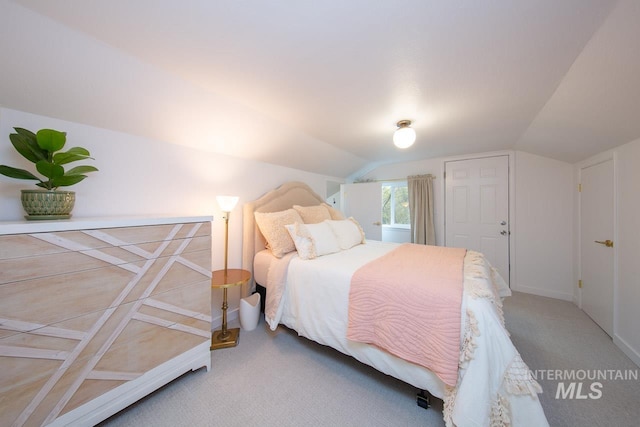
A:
(596, 243)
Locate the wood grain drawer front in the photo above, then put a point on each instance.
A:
(30, 245)
(53, 299)
(24, 257)
(114, 304)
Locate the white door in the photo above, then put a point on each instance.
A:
(596, 254)
(477, 208)
(363, 201)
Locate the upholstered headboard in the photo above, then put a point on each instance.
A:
(283, 197)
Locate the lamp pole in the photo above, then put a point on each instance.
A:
(226, 240)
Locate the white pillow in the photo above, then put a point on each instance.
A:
(313, 240)
(348, 232)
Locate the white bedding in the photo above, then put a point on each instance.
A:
(261, 263)
(493, 382)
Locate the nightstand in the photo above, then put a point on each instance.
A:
(225, 279)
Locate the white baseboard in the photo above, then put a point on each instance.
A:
(102, 407)
(627, 349)
(544, 292)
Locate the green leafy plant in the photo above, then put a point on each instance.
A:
(43, 149)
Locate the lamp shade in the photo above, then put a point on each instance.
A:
(227, 203)
(404, 136)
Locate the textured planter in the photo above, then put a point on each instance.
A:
(48, 204)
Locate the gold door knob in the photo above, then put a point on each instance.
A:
(608, 243)
(377, 223)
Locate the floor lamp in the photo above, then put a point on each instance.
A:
(225, 337)
(226, 203)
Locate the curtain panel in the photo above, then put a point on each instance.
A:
(421, 209)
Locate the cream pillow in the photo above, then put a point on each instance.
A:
(313, 240)
(348, 232)
(335, 213)
(313, 214)
(272, 227)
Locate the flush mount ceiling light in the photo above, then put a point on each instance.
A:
(404, 136)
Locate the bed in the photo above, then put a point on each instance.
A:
(492, 385)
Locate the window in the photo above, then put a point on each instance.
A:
(395, 204)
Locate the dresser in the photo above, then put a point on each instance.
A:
(96, 313)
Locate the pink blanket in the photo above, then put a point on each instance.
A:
(408, 302)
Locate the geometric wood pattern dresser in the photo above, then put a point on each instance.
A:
(95, 314)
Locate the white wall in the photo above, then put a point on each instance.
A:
(396, 234)
(627, 318)
(544, 226)
(138, 176)
(333, 200)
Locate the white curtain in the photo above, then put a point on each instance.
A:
(421, 209)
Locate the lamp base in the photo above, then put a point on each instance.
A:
(231, 341)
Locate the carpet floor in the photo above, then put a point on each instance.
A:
(279, 379)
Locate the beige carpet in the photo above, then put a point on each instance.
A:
(556, 335)
(279, 379)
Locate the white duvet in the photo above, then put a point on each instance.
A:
(494, 385)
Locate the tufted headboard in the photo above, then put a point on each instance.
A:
(282, 198)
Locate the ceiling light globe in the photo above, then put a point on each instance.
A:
(404, 137)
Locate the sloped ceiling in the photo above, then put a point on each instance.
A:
(597, 104)
(319, 86)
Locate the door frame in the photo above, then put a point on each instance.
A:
(600, 158)
(511, 203)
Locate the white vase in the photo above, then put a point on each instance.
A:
(250, 312)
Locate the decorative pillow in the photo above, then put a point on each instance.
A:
(348, 232)
(335, 213)
(313, 240)
(313, 214)
(271, 225)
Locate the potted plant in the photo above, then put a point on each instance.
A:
(44, 150)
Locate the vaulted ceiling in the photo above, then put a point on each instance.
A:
(319, 85)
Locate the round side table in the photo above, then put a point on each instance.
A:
(225, 279)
